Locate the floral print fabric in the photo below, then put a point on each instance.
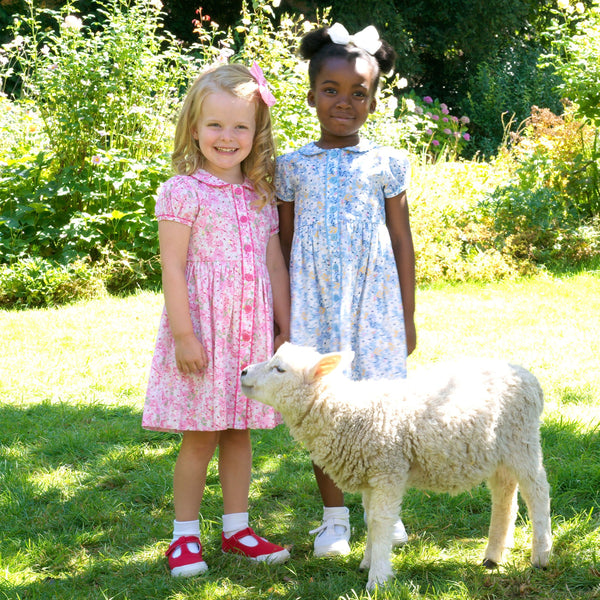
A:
(230, 305)
(344, 279)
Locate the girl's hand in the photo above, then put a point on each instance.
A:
(280, 339)
(190, 354)
(411, 336)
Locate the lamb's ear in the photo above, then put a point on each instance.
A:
(330, 362)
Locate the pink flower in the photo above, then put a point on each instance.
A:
(95, 160)
(444, 108)
(428, 99)
(435, 117)
(465, 120)
(445, 119)
(435, 143)
(429, 132)
(466, 136)
(447, 131)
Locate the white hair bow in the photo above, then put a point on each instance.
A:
(367, 39)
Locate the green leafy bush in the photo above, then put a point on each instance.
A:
(502, 91)
(104, 90)
(424, 126)
(548, 211)
(32, 283)
(574, 37)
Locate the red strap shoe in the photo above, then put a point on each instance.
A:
(264, 551)
(184, 562)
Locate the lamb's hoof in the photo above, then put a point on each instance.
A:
(489, 564)
(378, 582)
(365, 565)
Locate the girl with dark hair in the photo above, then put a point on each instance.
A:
(345, 231)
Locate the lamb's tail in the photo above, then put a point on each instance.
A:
(531, 389)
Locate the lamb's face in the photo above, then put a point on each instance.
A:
(273, 380)
(284, 381)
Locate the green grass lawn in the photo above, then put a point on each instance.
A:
(86, 494)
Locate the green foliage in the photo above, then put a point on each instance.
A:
(502, 91)
(103, 91)
(36, 282)
(430, 131)
(452, 241)
(574, 37)
(86, 145)
(549, 212)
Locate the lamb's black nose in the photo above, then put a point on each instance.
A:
(244, 372)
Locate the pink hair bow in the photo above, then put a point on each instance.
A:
(263, 87)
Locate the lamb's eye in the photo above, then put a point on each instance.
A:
(279, 369)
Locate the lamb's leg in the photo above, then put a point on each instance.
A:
(536, 493)
(503, 488)
(382, 506)
(366, 561)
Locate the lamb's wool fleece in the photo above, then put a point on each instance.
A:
(444, 429)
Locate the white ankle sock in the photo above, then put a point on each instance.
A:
(336, 512)
(181, 528)
(234, 522)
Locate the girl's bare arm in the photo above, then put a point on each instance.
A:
(174, 240)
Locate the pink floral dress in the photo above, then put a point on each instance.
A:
(230, 304)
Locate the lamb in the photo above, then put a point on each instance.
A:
(445, 429)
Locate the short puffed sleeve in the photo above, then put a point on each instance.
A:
(285, 178)
(272, 218)
(178, 200)
(398, 167)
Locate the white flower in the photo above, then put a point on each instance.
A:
(392, 103)
(410, 104)
(45, 50)
(402, 83)
(307, 26)
(157, 4)
(563, 4)
(72, 22)
(224, 55)
(276, 3)
(580, 8)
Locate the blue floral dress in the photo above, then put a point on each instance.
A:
(344, 279)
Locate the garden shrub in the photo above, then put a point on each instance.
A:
(33, 283)
(105, 89)
(548, 212)
(502, 91)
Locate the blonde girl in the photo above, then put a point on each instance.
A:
(225, 285)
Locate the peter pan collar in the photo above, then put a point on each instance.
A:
(210, 179)
(312, 149)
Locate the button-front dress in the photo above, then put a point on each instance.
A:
(344, 279)
(230, 304)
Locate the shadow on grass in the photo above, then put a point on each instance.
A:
(86, 504)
